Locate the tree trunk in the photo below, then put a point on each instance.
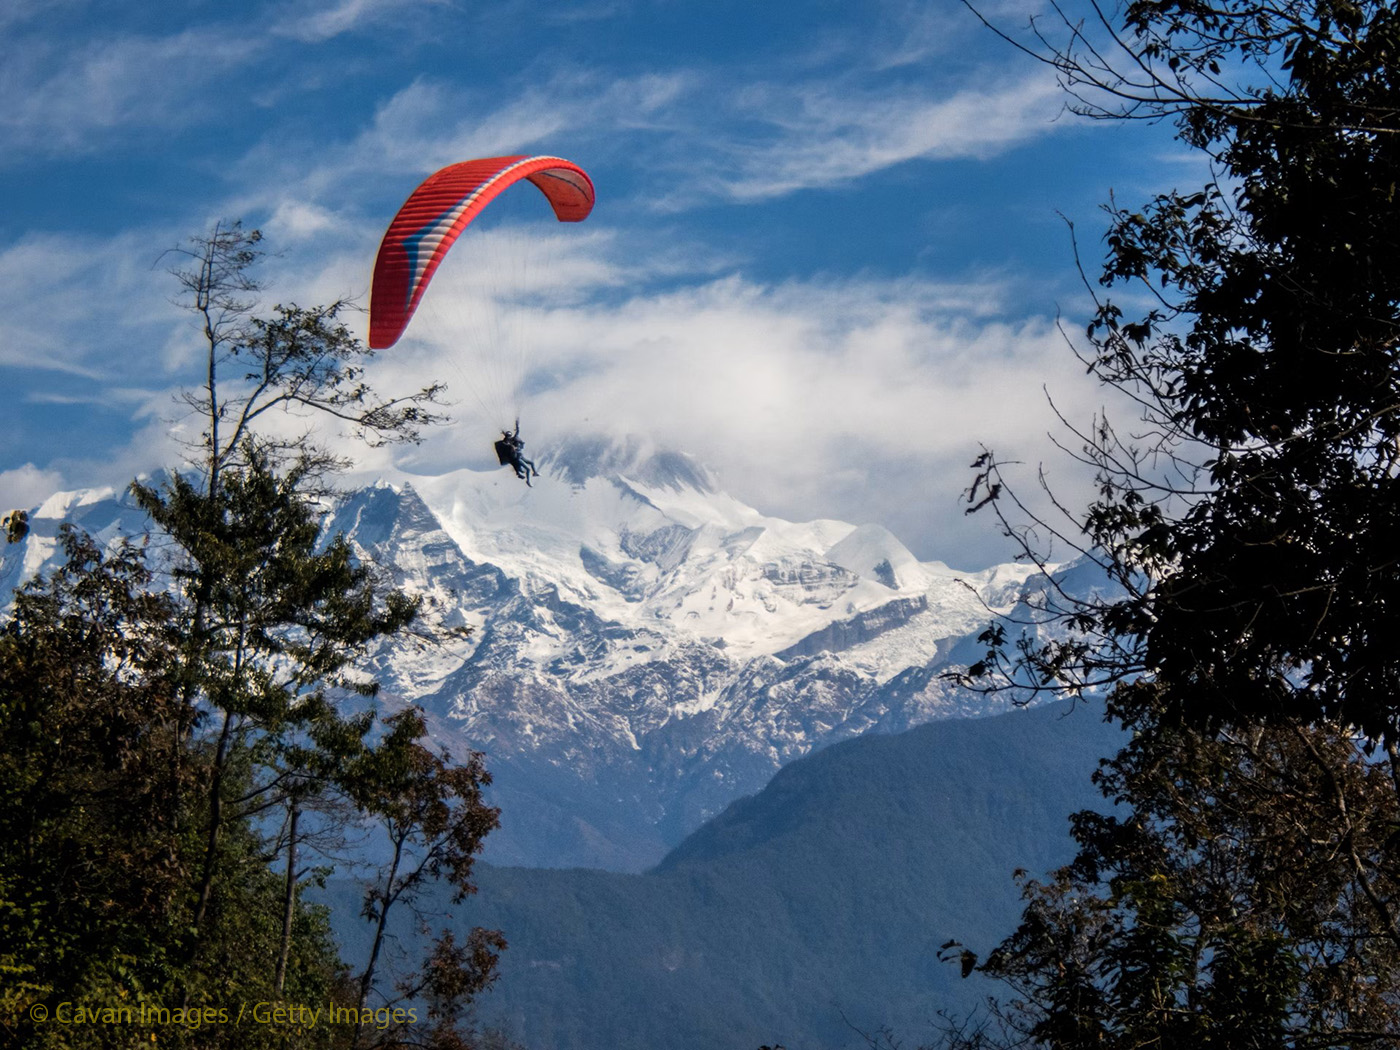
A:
(289, 897)
(367, 978)
(216, 807)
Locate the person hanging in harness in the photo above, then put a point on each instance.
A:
(510, 451)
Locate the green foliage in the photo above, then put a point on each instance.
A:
(100, 791)
(280, 616)
(139, 761)
(434, 821)
(89, 797)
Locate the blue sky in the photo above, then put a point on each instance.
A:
(827, 256)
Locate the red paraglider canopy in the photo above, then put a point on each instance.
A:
(435, 215)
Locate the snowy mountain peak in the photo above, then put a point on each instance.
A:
(641, 648)
(872, 551)
(581, 457)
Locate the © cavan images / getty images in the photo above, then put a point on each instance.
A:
(196, 1017)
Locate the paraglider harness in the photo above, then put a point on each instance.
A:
(510, 449)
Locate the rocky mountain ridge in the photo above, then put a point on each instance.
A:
(642, 648)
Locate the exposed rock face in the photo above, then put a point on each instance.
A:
(864, 627)
(631, 648)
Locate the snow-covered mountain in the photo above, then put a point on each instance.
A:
(644, 648)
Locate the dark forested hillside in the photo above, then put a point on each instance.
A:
(821, 900)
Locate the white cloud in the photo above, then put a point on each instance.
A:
(853, 398)
(817, 132)
(842, 399)
(27, 486)
(856, 399)
(110, 395)
(822, 135)
(68, 304)
(296, 221)
(314, 21)
(690, 133)
(59, 97)
(429, 124)
(910, 33)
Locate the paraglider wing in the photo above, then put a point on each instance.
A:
(435, 215)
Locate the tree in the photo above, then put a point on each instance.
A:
(434, 820)
(296, 359)
(1250, 525)
(88, 798)
(154, 724)
(275, 619)
(1244, 897)
(277, 615)
(100, 786)
(1246, 893)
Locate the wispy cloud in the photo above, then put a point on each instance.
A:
(743, 142)
(74, 305)
(909, 33)
(580, 11)
(314, 21)
(429, 124)
(820, 135)
(110, 395)
(18, 12)
(60, 98)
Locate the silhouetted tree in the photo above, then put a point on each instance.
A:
(1247, 892)
(1250, 524)
(1244, 896)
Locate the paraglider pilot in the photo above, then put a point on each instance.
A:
(510, 451)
